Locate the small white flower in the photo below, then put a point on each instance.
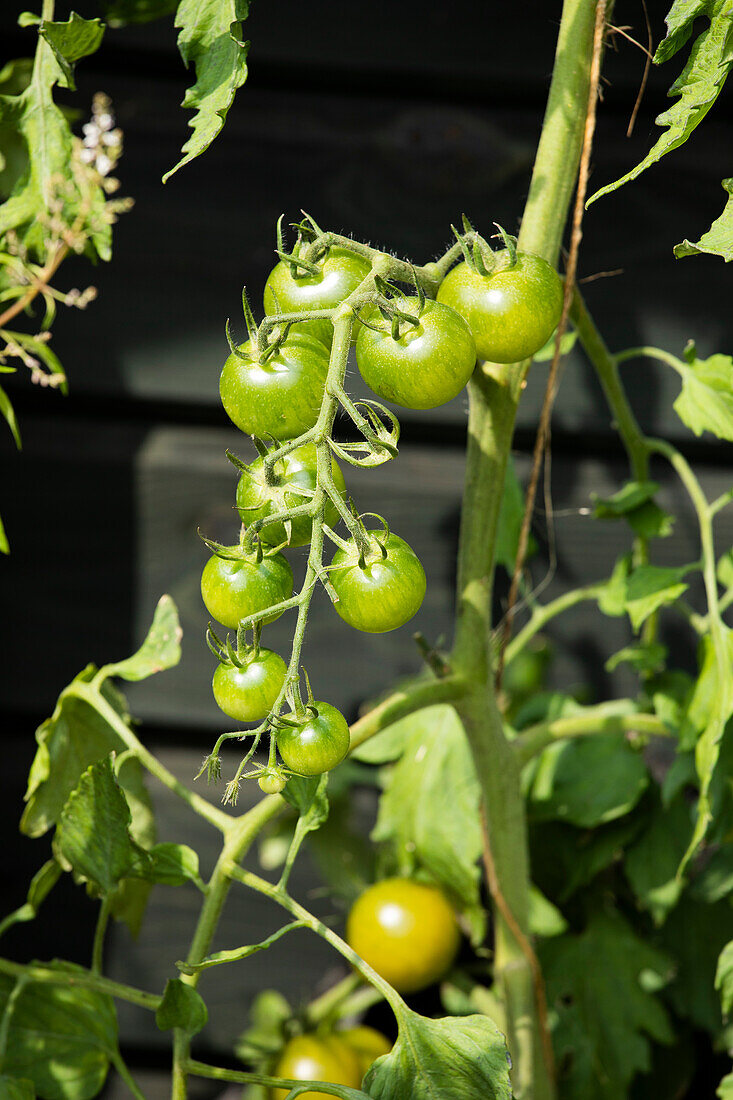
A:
(88, 156)
(104, 164)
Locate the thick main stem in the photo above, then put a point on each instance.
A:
(494, 393)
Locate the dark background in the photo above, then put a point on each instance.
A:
(386, 123)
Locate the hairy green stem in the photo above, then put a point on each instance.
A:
(105, 911)
(600, 719)
(242, 1077)
(85, 979)
(493, 396)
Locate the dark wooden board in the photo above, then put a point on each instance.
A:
(104, 521)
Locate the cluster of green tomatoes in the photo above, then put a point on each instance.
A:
(282, 387)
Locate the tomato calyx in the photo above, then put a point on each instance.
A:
(478, 253)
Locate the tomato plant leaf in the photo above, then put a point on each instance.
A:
(70, 41)
(715, 881)
(171, 865)
(160, 650)
(705, 403)
(587, 782)
(210, 37)
(74, 737)
(545, 919)
(724, 978)
(267, 1033)
(653, 586)
(653, 859)
(181, 1007)
(634, 503)
(429, 812)
(131, 895)
(93, 836)
(16, 1088)
(60, 1037)
(644, 657)
(718, 240)
(600, 983)
(463, 1057)
(694, 934)
(698, 85)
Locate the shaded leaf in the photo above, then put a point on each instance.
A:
(131, 896)
(587, 782)
(715, 881)
(694, 934)
(74, 737)
(70, 41)
(545, 919)
(599, 984)
(653, 859)
(8, 413)
(429, 812)
(60, 1037)
(644, 657)
(266, 1035)
(725, 1089)
(92, 836)
(171, 865)
(464, 1058)
(210, 37)
(181, 1007)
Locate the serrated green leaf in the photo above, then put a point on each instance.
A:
(171, 865)
(650, 587)
(73, 738)
(694, 934)
(181, 1007)
(16, 1088)
(464, 1058)
(70, 41)
(131, 896)
(384, 747)
(211, 38)
(653, 859)
(92, 836)
(60, 1037)
(628, 498)
(160, 650)
(429, 812)
(587, 782)
(698, 85)
(705, 403)
(605, 1015)
(718, 240)
(565, 858)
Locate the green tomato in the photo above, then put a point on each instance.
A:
(257, 500)
(513, 312)
(234, 590)
(406, 931)
(249, 693)
(428, 365)
(383, 593)
(281, 397)
(317, 1058)
(270, 783)
(340, 272)
(316, 744)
